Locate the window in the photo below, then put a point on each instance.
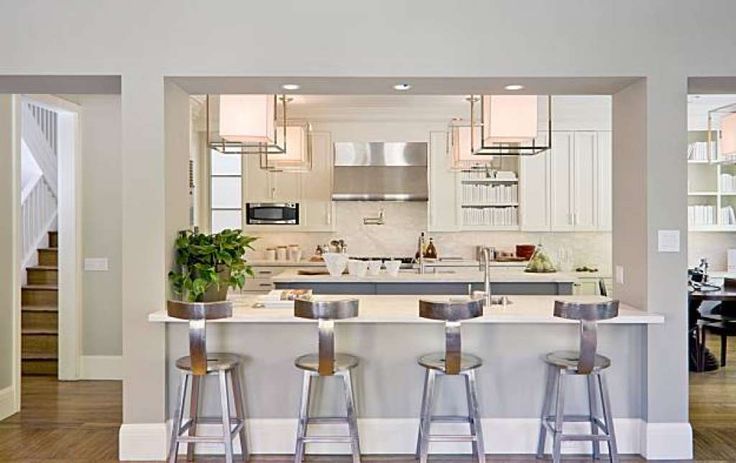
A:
(226, 191)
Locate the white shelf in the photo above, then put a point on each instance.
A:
(490, 205)
(712, 228)
(703, 193)
(690, 161)
(490, 228)
(491, 180)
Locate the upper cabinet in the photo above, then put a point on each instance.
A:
(568, 188)
(311, 189)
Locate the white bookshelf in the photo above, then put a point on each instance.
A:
(488, 203)
(707, 190)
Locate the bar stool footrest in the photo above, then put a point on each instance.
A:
(327, 419)
(449, 419)
(327, 440)
(450, 438)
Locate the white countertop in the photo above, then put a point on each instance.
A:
(404, 309)
(408, 276)
(438, 263)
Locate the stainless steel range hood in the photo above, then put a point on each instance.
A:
(380, 172)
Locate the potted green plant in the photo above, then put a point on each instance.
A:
(207, 265)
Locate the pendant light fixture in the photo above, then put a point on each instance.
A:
(296, 137)
(722, 134)
(503, 125)
(246, 124)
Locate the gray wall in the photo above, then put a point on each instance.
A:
(478, 38)
(101, 223)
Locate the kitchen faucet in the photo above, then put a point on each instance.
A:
(485, 261)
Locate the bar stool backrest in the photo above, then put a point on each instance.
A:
(452, 313)
(198, 313)
(326, 312)
(588, 314)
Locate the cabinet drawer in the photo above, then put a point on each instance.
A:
(266, 272)
(258, 284)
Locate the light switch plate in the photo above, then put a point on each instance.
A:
(95, 264)
(620, 274)
(668, 240)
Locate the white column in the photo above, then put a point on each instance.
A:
(650, 194)
(9, 251)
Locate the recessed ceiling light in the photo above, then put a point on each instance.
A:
(514, 87)
(402, 87)
(291, 86)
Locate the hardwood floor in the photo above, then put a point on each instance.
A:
(79, 421)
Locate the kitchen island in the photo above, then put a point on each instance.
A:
(388, 336)
(434, 281)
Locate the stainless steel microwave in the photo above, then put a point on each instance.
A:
(272, 213)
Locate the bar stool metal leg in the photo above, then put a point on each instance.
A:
(178, 418)
(422, 413)
(608, 417)
(225, 404)
(593, 413)
(239, 411)
(476, 427)
(301, 432)
(352, 420)
(193, 412)
(559, 417)
(424, 424)
(546, 410)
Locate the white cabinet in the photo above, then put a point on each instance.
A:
(311, 189)
(443, 186)
(316, 186)
(568, 188)
(561, 184)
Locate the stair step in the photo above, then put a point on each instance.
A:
(54, 239)
(46, 318)
(40, 295)
(39, 364)
(48, 256)
(39, 331)
(39, 308)
(43, 275)
(46, 344)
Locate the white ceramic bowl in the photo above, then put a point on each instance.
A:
(335, 262)
(357, 268)
(392, 267)
(374, 267)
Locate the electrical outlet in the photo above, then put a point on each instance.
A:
(96, 264)
(620, 274)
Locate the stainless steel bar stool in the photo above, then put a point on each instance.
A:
(326, 363)
(195, 367)
(450, 362)
(585, 362)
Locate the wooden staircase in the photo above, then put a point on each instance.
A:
(40, 313)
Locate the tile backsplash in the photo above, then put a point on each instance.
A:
(405, 221)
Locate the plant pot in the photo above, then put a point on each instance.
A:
(213, 294)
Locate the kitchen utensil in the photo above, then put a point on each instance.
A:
(392, 267)
(336, 262)
(374, 267)
(281, 253)
(357, 268)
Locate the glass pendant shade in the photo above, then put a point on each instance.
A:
(510, 119)
(462, 144)
(298, 154)
(722, 133)
(244, 124)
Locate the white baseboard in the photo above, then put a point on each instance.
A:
(7, 402)
(667, 441)
(143, 441)
(398, 436)
(101, 367)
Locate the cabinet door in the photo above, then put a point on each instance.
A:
(561, 181)
(443, 186)
(316, 197)
(605, 181)
(257, 182)
(286, 186)
(534, 192)
(585, 174)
